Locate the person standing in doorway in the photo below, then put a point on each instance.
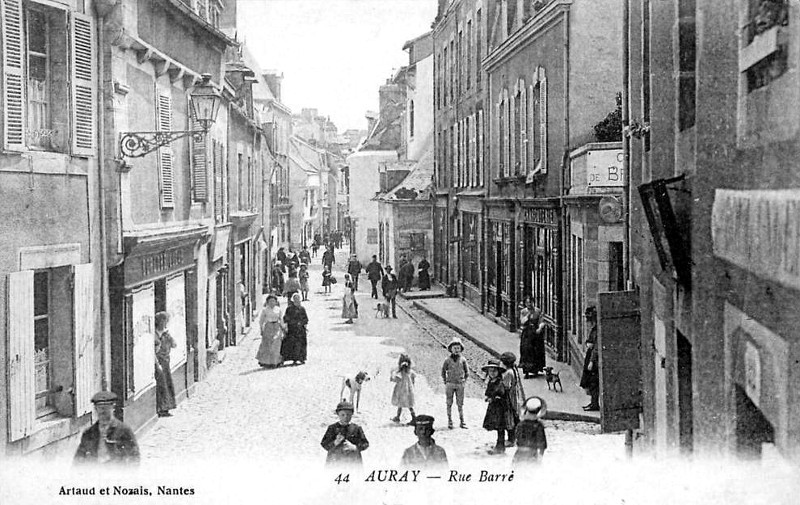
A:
(424, 278)
(374, 274)
(389, 286)
(590, 379)
(165, 389)
(531, 342)
(354, 269)
(454, 375)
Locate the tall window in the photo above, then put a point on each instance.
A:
(470, 47)
(446, 84)
(452, 72)
(240, 189)
(411, 119)
(686, 64)
(478, 46)
(459, 61)
(519, 114)
(501, 136)
(646, 69)
(42, 351)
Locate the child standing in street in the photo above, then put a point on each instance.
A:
(403, 394)
(531, 439)
(303, 277)
(326, 279)
(498, 415)
(454, 375)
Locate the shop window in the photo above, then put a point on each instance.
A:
(48, 81)
(372, 235)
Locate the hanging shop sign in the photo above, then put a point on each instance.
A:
(759, 231)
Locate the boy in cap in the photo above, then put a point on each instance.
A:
(531, 439)
(390, 285)
(109, 440)
(590, 379)
(454, 375)
(344, 440)
(425, 453)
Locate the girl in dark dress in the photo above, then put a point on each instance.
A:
(165, 389)
(498, 414)
(295, 343)
(424, 278)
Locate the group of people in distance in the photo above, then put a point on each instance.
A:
(505, 413)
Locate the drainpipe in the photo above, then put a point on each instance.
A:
(626, 165)
(626, 144)
(563, 350)
(105, 347)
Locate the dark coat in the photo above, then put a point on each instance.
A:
(389, 285)
(120, 443)
(407, 274)
(354, 267)
(531, 345)
(353, 434)
(590, 379)
(498, 412)
(423, 275)
(374, 271)
(294, 345)
(328, 258)
(531, 441)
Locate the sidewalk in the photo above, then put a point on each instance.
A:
(436, 291)
(496, 340)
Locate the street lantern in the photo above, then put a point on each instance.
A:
(205, 100)
(204, 105)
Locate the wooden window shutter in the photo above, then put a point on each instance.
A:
(479, 158)
(83, 307)
(21, 374)
(199, 161)
(543, 121)
(532, 140)
(82, 85)
(523, 124)
(165, 165)
(13, 76)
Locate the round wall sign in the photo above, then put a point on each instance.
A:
(610, 209)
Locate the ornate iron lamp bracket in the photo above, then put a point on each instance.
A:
(138, 144)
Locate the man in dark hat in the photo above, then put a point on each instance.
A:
(590, 379)
(109, 440)
(374, 274)
(425, 453)
(390, 285)
(344, 440)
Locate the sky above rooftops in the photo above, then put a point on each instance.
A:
(334, 54)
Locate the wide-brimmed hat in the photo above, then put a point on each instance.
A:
(388, 268)
(508, 359)
(104, 397)
(454, 341)
(344, 405)
(536, 406)
(493, 363)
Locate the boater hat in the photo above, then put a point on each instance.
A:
(493, 363)
(536, 406)
(104, 397)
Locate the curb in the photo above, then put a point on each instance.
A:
(555, 415)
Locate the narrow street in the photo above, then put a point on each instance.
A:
(245, 413)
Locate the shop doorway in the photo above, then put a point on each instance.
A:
(685, 413)
(752, 428)
(498, 267)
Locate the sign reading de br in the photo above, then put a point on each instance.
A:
(604, 168)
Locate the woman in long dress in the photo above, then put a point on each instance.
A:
(531, 343)
(165, 389)
(423, 277)
(269, 352)
(295, 343)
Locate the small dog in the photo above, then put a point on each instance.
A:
(354, 385)
(552, 378)
(382, 309)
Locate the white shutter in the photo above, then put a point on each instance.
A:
(543, 120)
(199, 161)
(479, 158)
(13, 76)
(523, 124)
(83, 306)
(21, 374)
(165, 168)
(82, 85)
(532, 140)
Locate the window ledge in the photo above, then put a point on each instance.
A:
(47, 430)
(509, 180)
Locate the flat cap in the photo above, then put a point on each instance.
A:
(345, 405)
(104, 397)
(422, 420)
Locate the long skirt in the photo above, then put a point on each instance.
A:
(349, 308)
(424, 280)
(293, 347)
(165, 389)
(269, 352)
(532, 352)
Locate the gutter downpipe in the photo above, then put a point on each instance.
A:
(626, 165)
(105, 354)
(563, 349)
